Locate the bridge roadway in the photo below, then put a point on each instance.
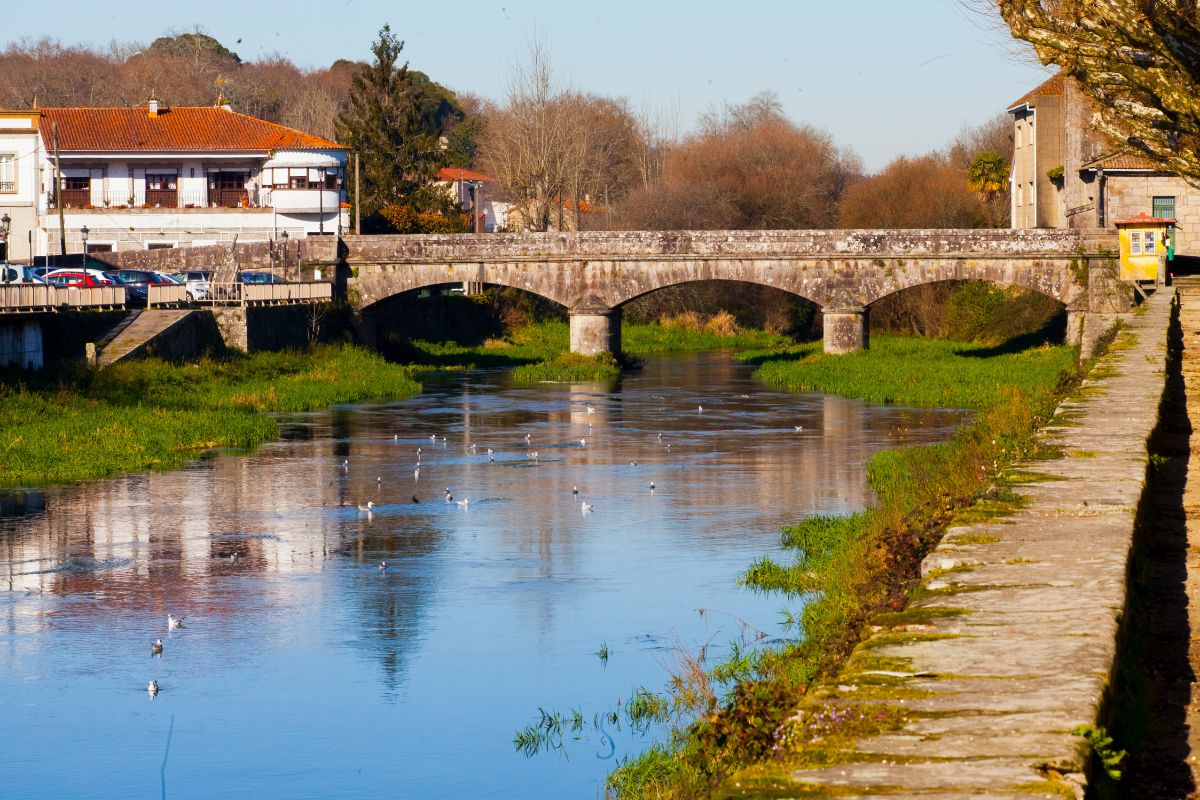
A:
(593, 274)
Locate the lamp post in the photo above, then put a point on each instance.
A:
(83, 236)
(5, 225)
(283, 237)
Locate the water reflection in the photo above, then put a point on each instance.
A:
(307, 671)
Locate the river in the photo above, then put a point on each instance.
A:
(306, 671)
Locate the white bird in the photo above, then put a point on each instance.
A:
(575, 490)
(464, 502)
(433, 437)
(379, 479)
(395, 437)
(152, 688)
(491, 455)
(527, 437)
(534, 455)
(449, 497)
(417, 474)
(633, 463)
(474, 447)
(699, 409)
(156, 648)
(660, 437)
(591, 409)
(382, 565)
(585, 507)
(174, 622)
(583, 442)
(651, 486)
(367, 508)
(346, 463)
(799, 427)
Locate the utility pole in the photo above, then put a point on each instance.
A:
(62, 225)
(357, 204)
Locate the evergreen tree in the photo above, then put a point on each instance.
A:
(390, 124)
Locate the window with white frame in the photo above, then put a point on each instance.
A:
(1135, 243)
(1148, 243)
(8, 172)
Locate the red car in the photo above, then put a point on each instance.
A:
(78, 277)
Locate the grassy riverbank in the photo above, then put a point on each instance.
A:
(539, 351)
(150, 414)
(848, 569)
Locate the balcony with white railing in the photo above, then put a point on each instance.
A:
(96, 199)
(305, 201)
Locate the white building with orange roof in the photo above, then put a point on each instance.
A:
(1065, 174)
(156, 176)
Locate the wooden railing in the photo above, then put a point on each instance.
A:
(159, 295)
(26, 298)
(281, 293)
(266, 294)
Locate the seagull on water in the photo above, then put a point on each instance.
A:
(417, 474)
(799, 427)
(699, 409)
(464, 502)
(533, 455)
(345, 463)
(382, 566)
(395, 437)
(527, 437)
(633, 463)
(491, 455)
(660, 437)
(379, 479)
(583, 442)
(575, 491)
(585, 507)
(152, 688)
(591, 409)
(652, 487)
(156, 648)
(174, 622)
(367, 508)
(449, 497)
(433, 437)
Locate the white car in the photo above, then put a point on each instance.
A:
(17, 273)
(197, 283)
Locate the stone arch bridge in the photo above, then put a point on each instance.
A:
(593, 274)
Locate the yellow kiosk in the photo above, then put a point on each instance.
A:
(1146, 244)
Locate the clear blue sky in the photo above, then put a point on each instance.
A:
(886, 78)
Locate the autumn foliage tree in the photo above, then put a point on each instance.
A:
(748, 167)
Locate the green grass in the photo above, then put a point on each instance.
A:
(909, 371)
(570, 368)
(850, 569)
(151, 414)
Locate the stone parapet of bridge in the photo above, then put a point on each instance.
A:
(593, 274)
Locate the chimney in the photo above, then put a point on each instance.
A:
(152, 105)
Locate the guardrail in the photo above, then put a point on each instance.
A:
(160, 295)
(266, 294)
(28, 298)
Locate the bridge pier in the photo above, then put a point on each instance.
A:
(845, 329)
(595, 331)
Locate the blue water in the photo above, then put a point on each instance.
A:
(304, 671)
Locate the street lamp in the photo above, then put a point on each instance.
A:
(83, 235)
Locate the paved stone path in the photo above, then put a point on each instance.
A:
(1012, 645)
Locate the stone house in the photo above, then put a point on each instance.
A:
(1065, 174)
(154, 176)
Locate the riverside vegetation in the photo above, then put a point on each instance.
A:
(150, 414)
(733, 722)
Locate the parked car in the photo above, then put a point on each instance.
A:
(17, 273)
(135, 294)
(78, 277)
(143, 278)
(259, 277)
(197, 283)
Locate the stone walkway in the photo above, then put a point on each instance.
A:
(1012, 643)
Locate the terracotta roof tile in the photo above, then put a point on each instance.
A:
(462, 174)
(1053, 86)
(1122, 161)
(182, 128)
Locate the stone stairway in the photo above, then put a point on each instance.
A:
(139, 329)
